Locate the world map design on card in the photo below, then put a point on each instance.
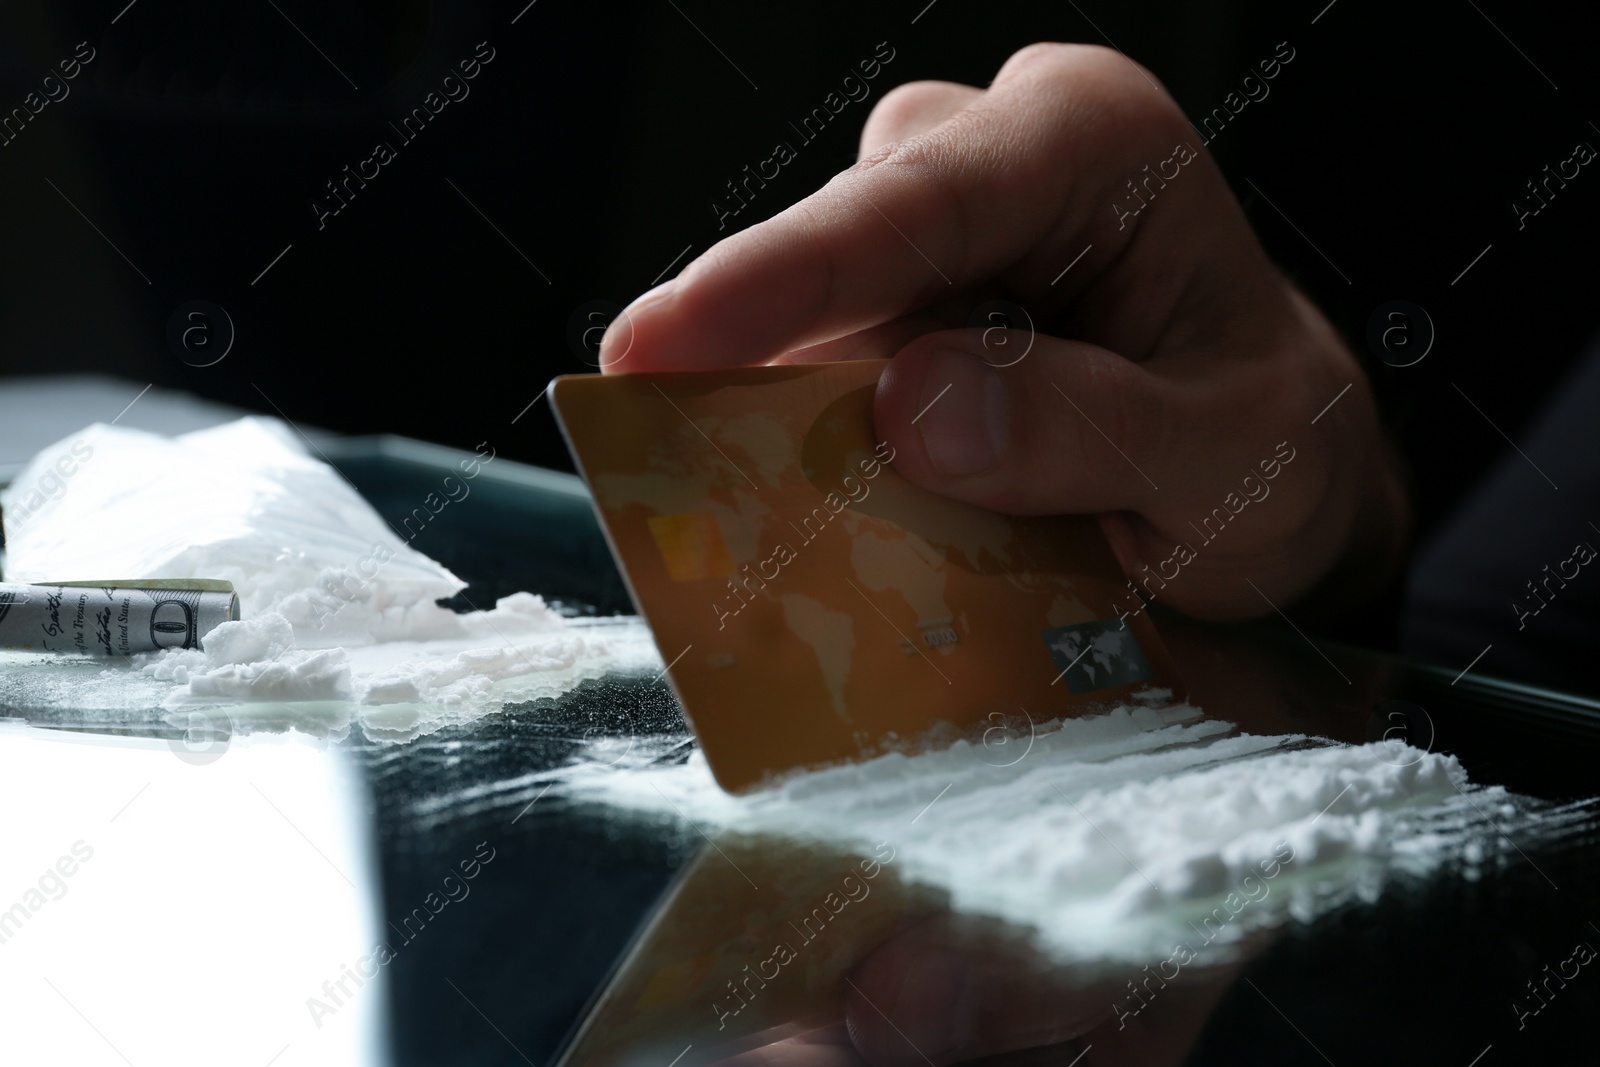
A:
(815, 606)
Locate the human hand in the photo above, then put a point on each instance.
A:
(1177, 376)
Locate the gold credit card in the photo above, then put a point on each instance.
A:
(814, 606)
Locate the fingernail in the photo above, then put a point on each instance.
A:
(962, 413)
(618, 339)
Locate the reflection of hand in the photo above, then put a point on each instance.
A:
(1191, 360)
(829, 1046)
(946, 992)
(952, 990)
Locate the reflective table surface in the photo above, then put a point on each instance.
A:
(172, 897)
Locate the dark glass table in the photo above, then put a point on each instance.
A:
(505, 969)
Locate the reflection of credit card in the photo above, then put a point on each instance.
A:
(751, 944)
(813, 605)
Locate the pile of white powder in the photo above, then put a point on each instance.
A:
(338, 612)
(1114, 837)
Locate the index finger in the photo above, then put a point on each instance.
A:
(1026, 167)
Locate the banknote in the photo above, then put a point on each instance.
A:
(110, 618)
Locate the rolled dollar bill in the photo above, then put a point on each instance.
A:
(114, 618)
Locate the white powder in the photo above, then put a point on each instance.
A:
(338, 615)
(1116, 836)
(242, 502)
(467, 660)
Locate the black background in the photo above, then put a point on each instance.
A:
(599, 136)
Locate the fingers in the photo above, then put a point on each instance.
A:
(1031, 424)
(885, 339)
(912, 109)
(875, 342)
(1058, 427)
(1014, 178)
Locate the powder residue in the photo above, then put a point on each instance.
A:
(243, 502)
(1113, 836)
(340, 619)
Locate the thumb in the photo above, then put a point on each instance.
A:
(1026, 424)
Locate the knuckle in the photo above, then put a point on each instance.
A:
(933, 172)
(1048, 54)
(1127, 91)
(911, 110)
(1089, 64)
(926, 152)
(827, 264)
(904, 103)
